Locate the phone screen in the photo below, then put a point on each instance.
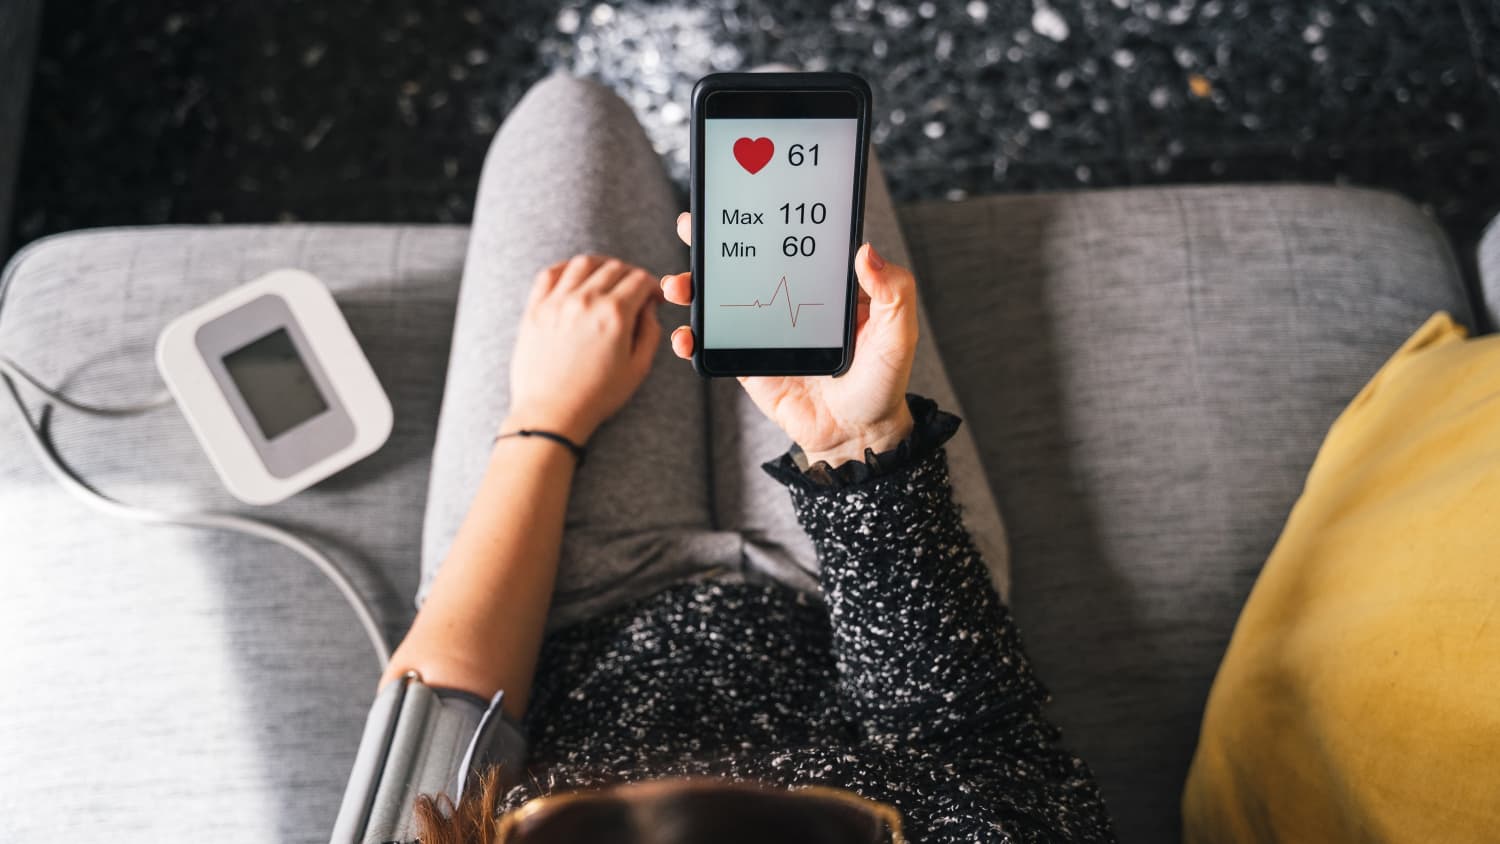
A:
(778, 196)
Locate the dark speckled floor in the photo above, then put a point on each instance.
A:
(150, 111)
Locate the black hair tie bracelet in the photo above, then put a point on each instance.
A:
(578, 450)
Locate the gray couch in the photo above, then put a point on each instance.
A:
(1148, 373)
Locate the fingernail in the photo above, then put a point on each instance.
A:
(662, 282)
(876, 262)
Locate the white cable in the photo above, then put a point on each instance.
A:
(10, 367)
(190, 518)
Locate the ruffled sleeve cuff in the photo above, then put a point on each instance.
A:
(931, 428)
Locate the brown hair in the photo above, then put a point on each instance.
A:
(473, 820)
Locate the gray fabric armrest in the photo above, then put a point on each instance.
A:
(1489, 272)
(420, 739)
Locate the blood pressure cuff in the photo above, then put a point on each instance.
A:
(422, 739)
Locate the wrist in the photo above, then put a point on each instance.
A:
(556, 423)
(878, 437)
(555, 444)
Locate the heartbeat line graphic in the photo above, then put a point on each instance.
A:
(792, 312)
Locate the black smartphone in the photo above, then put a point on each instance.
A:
(778, 200)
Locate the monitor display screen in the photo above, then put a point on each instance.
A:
(275, 383)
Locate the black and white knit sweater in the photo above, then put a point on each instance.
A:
(909, 685)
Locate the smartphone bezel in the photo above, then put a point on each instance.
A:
(773, 95)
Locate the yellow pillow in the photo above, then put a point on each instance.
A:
(1359, 699)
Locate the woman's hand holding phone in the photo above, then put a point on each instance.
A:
(585, 344)
(836, 419)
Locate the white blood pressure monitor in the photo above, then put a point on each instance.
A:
(274, 385)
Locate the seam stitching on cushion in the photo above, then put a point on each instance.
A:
(1207, 430)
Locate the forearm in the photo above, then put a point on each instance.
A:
(926, 649)
(482, 624)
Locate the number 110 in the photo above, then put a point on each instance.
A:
(817, 213)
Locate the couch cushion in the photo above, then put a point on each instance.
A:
(1489, 271)
(1149, 373)
(215, 671)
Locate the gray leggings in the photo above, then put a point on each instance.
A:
(672, 488)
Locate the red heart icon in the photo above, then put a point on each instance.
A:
(753, 154)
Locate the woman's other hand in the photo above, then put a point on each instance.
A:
(585, 344)
(836, 419)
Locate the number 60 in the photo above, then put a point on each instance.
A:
(792, 246)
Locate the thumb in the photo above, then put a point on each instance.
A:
(885, 283)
